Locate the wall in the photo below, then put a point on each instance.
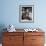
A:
(10, 13)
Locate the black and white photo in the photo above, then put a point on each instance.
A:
(26, 13)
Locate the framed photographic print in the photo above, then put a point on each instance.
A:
(26, 13)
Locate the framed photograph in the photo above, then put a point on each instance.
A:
(26, 13)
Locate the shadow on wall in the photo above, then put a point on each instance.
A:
(2, 26)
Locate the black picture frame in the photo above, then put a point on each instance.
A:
(26, 13)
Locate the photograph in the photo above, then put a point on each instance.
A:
(26, 13)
